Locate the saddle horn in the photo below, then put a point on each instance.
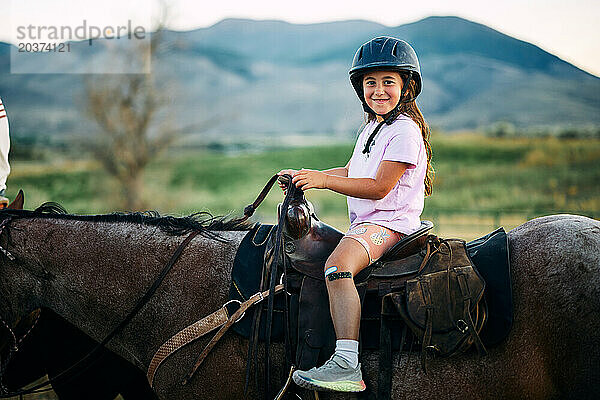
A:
(298, 214)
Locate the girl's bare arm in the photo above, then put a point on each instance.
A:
(388, 173)
(339, 171)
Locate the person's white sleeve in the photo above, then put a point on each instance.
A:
(4, 147)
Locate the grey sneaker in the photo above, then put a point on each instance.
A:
(335, 376)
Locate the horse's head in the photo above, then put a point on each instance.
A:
(16, 331)
(7, 267)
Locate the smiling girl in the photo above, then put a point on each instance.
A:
(385, 181)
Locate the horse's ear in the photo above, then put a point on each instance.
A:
(17, 203)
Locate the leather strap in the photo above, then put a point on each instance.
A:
(428, 322)
(367, 149)
(286, 385)
(426, 258)
(249, 209)
(184, 337)
(256, 298)
(464, 289)
(384, 382)
(278, 254)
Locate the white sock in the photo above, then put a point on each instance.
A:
(348, 350)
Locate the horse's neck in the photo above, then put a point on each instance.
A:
(96, 272)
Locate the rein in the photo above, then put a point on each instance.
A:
(249, 209)
(278, 252)
(68, 374)
(271, 268)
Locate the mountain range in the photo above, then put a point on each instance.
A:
(273, 77)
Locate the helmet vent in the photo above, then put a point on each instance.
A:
(395, 49)
(360, 54)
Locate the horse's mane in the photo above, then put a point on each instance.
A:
(200, 221)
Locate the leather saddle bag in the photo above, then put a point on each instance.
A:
(443, 304)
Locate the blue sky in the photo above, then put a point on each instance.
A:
(566, 29)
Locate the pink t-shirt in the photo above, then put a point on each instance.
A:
(401, 208)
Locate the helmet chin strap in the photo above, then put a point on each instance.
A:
(390, 116)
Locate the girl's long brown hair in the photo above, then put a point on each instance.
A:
(412, 111)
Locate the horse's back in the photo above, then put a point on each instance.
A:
(556, 268)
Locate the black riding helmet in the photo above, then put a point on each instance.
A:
(385, 53)
(388, 54)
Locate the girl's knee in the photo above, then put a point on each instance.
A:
(348, 256)
(337, 265)
(333, 268)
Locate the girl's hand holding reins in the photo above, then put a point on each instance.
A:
(310, 179)
(290, 172)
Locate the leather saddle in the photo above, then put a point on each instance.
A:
(308, 244)
(388, 310)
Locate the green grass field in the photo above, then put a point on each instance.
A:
(480, 182)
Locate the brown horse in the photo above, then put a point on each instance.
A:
(91, 270)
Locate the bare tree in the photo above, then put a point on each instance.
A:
(125, 108)
(133, 114)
